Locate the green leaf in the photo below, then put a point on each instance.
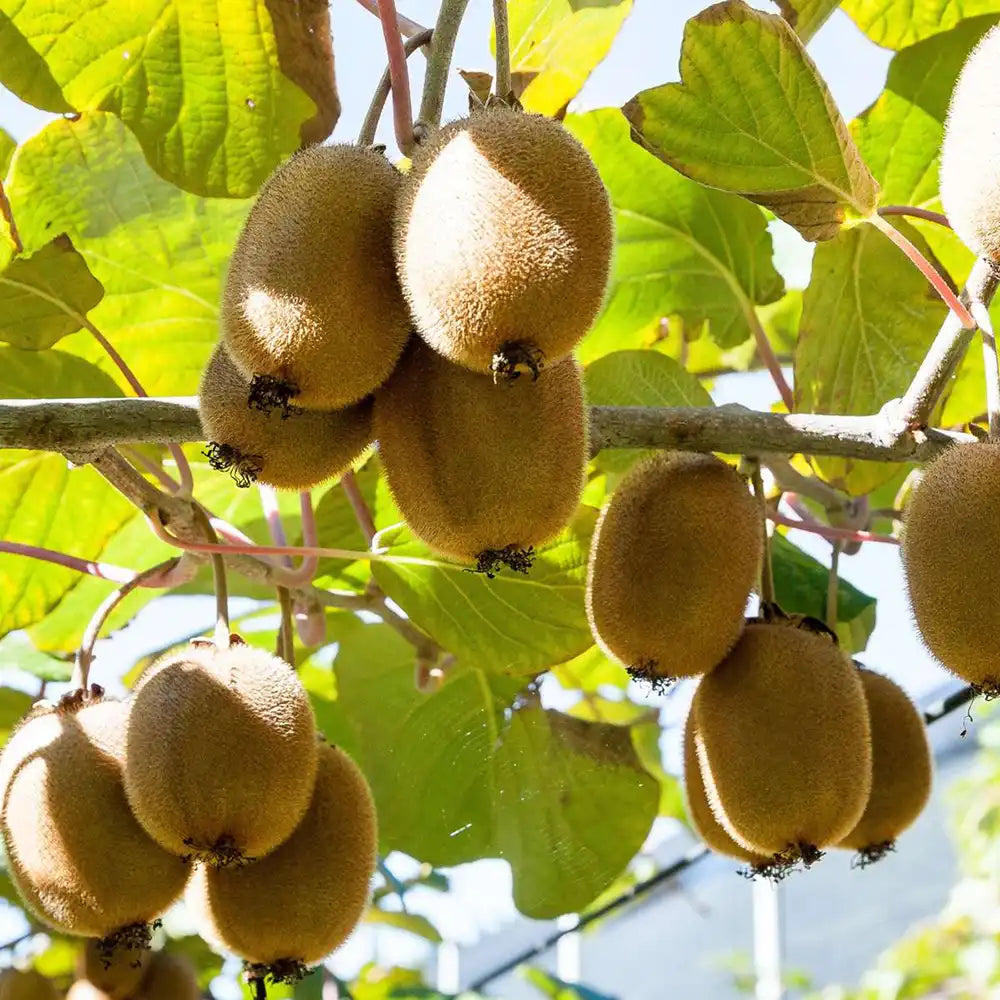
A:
(858, 346)
(549, 986)
(201, 87)
(45, 503)
(50, 374)
(754, 116)
(414, 923)
(7, 146)
(468, 773)
(556, 44)
(682, 249)
(159, 253)
(589, 671)
(807, 16)
(17, 652)
(13, 705)
(46, 296)
(895, 25)
(516, 624)
(800, 585)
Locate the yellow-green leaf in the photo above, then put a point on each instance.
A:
(807, 16)
(898, 23)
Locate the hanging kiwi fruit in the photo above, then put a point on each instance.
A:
(26, 985)
(482, 472)
(170, 977)
(221, 753)
(950, 539)
(116, 975)
(295, 452)
(79, 859)
(503, 237)
(675, 555)
(970, 153)
(901, 769)
(300, 903)
(784, 743)
(312, 311)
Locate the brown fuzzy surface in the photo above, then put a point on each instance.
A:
(170, 977)
(951, 537)
(311, 295)
(673, 561)
(783, 741)
(78, 857)
(503, 233)
(476, 466)
(902, 766)
(301, 902)
(29, 985)
(221, 752)
(706, 826)
(970, 153)
(117, 975)
(295, 452)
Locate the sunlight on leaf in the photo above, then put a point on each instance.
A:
(807, 16)
(897, 23)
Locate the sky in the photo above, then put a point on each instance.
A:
(644, 55)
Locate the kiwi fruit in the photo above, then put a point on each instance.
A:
(703, 820)
(294, 907)
(673, 560)
(221, 752)
(312, 311)
(503, 237)
(293, 452)
(951, 535)
(970, 153)
(84, 990)
(901, 769)
(30, 985)
(115, 974)
(784, 743)
(482, 472)
(170, 977)
(77, 856)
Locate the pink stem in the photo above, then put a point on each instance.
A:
(770, 361)
(917, 213)
(826, 531)
(349, 484)
(307, 568)
(399, 77)
(927, 269)
(407, 27)
(103, 571)
(154, 468)
(275, 526)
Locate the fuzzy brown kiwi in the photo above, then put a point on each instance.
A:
(706, 826)
(784, 743)
(951, 535)
(970, 153)
(312, 310)
(78, 857)
(170, 977)
(221, 753)
(482, 472)
(293, 452)
(901, 769)
(503, 239)
(294, 907)
(29, 985)
(674, 557)
(115, 973)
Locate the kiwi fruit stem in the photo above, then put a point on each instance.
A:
(219, 582)
(766, 569)
(286, 642)
(501, 24)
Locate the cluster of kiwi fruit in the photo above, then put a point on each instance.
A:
(790, 747)
(209, 780)
(434, 311)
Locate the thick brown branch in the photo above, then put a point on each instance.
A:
(88, 426)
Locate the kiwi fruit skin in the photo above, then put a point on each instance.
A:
(221, 752)
(503, 234)
(902, 765)
(970, 153)
(77, 856)
(294, 452)
(117, 975)
(674, 557)
(301, 902)
(706, 826)
(784, 741)
(478, 467)
(30, 985)
(170, 977)
(311, 296)
(951, 535)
